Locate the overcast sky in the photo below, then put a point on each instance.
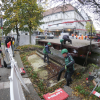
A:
(54, 3)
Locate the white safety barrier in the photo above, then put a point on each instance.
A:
(16, 92)
(96, 94)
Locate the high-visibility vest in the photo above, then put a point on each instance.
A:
(13, 42)
(72, 34)
(82, 37)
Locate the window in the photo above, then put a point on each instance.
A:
(57, 24)
(43, 26)
(55, 16)
(68, 23)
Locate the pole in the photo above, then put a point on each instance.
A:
(2, 26)
(91, 36)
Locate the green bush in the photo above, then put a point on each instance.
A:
(91, 86)
(82, 90)
(40, 85)
(29, 69)
(79, 87)
(97, 89)
(34, 76)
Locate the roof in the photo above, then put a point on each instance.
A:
(67, 7)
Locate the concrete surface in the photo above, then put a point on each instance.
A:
(75, 42)
(36, 62)
(5, 94)
(70, 93)
(33, 94)
(4, 73)
(25, 40)
(19, 62)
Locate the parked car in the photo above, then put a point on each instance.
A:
(48, 35)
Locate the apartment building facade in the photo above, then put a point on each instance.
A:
(64, 18)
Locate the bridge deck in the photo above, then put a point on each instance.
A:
(75, 42)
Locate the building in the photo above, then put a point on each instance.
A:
(62, 19)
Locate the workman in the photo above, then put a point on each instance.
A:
(82, 36)
(85, 37)
(66, 38)
(69, 66)
(8, 39)
(47, 51)
(76, 36)
(73, 36)
(13, 42)
(61, 41)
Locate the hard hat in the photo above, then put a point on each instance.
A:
(49, 43)
(64, 51)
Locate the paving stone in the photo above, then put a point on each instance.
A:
(20, 64)
(33, 95)
(6, 85)
(1, 85)
(69, 91)
(5, 94)
(27, 81)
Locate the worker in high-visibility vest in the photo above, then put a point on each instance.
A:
(76, 36)
(13, 46)
(82, 36)
(73, 36)
(85, 37)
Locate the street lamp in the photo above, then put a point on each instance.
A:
(1, 23)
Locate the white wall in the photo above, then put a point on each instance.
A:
(24, 40)
(60, 17)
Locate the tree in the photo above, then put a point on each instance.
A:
(11, 18)
(0, 32)
(30, 14)
(21, 13)
(40, 29)
(88, 27)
